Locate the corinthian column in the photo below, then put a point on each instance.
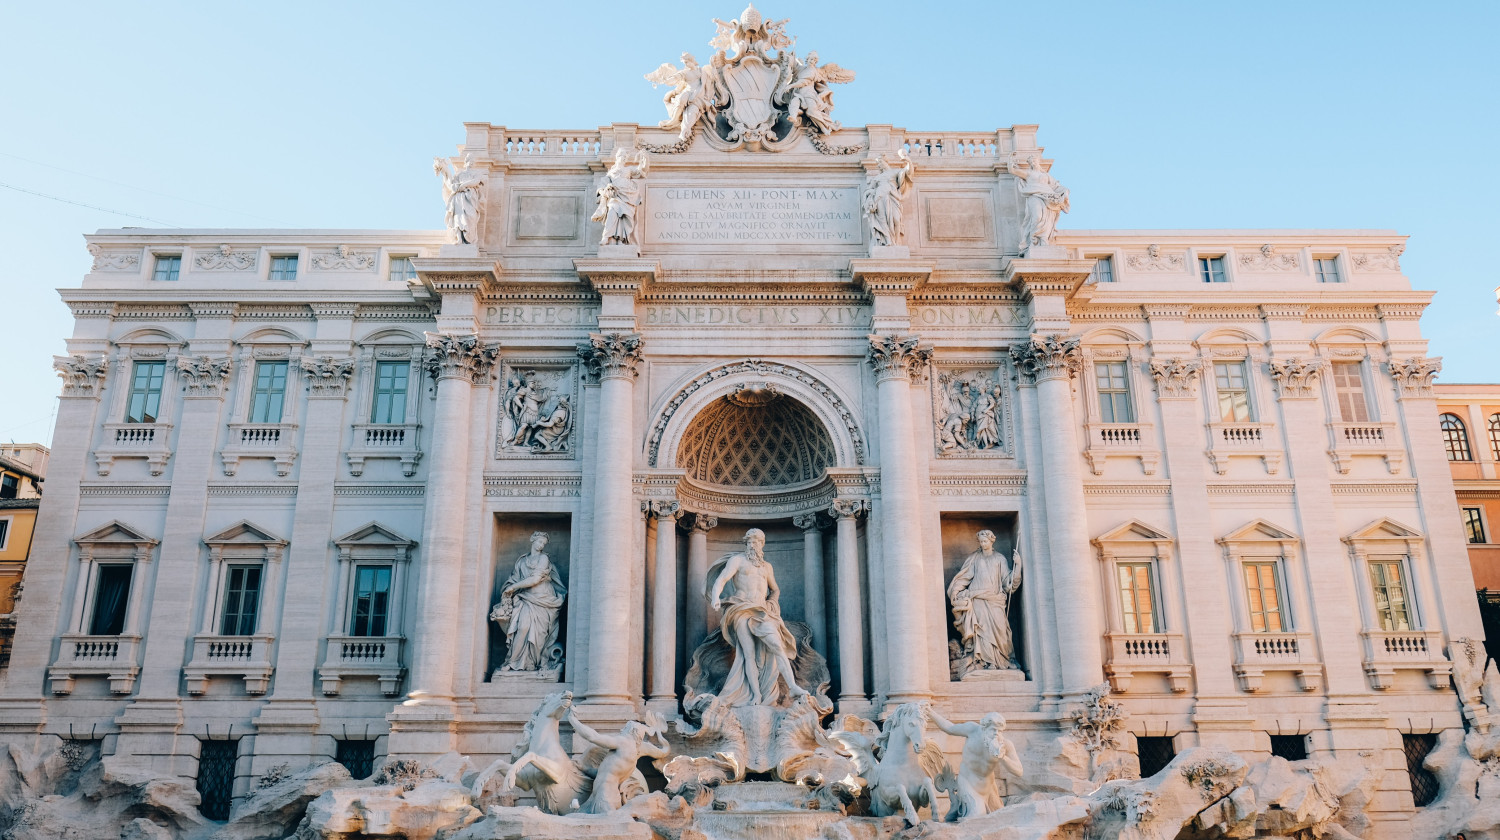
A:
(664, 606)
(851, 616)
(458, 363)
(896, 359)
(812, 578)
(613, 358)
(1051, 362)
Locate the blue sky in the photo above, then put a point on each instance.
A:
(1202, 115)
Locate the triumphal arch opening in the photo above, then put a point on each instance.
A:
(749, 472)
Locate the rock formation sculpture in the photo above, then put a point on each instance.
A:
(528, 610)
(981, 595)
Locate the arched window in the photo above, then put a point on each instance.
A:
(1495, 435)
(1455, 438)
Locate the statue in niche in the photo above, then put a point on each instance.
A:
(620, 197)
(743, 589)
(538, 418)
(967, 413)
(461, 197)
(694, 90)
(617, 780)
(528, 612)
(881, 201)
(972, 791)
(981, 595)
(1045, 200)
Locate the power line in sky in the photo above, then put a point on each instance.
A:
(81, 204)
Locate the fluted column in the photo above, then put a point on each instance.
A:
(1051, 362)
(458, 363)
(851, 616)
(664, 604)
(697, 623)
(812, 579)
(613, 358)
(896, 359)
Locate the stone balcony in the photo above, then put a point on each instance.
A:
(81, 655)
(1258, 653)
(1350, 439)
(1130, 440)
(400, 441)
(1226, 440)
(363, 656)
(233, 656)
(1147, 653)
(1387, 652)
(276, 441)
(152, 441)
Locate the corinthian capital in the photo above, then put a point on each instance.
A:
(1295, 377)
(611, 355)
(1177, 378)
(1047, 357)
(81, 375)
(203, 376)
(897, 357)
(1414, 376)
(459, 356)
(328, 376)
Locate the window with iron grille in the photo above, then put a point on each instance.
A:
(167, 267)
(1424, 785)
(1455, 437)
(1474, 525)
(358, 757)
(1155, 754)
(216, 777)
(1289, 747)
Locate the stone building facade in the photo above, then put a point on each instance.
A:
(294, 470)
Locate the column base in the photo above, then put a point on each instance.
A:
(664, 706)
(855, 704)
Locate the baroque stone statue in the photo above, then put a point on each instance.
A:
(528, 611)
(743, 587)
(981, 595)
(620, 197)
(616, 779)
(1045, 199)
(972, 791)
(694, 90)
(881, 201)
(461, 198)
(808, 96)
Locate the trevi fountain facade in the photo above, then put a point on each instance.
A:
(748, 476)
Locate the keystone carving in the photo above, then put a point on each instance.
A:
(611, 355)
(328, 376)
(1176, 378)
(203, 376)
(455, 356)
(898, 357)
(1047, 357)
(81, 375)
(1295, 378)
(1414, 376)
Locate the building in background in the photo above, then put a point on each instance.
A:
(1469, 419)
(22, 469)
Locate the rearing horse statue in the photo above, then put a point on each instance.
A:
(540, 764)
(902, 780)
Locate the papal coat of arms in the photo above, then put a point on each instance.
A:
(754, 93)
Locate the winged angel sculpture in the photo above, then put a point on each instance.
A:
(754, 92)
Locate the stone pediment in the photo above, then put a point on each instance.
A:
(1134, 531)
(373, 535)
(1383, 529)
(244, 533)
(1258, 530)
(115, 533)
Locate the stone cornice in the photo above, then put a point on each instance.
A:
(1045, 276)
(457, 275)
(622, 275)
(889, 276)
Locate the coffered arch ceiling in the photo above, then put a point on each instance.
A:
(755, 439)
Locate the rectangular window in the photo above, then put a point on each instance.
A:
(402, 269)
(1155, 753)
(1104, 270)
(241, 600)
(1263, 590)
(1391, 606)
(1234, 392)
(10, 486)
(389, 405)
(111, 597)
(1474, 525)
(270, 392)
(1289, 747)
(1349, 384)
(1114, 393)
(1138, 598)
(284, 267)
(1327, 269)
(1211, 269)
(4, 533)
(372, 597)
(145, 392)
(167, 267)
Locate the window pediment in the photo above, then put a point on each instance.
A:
(244, 533)
(115, 533)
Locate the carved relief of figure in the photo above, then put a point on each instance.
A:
(526, 408)
(616, 781)
(954, 433)
(981, 594)
(550, 434)
(743, 589)
(987, 417)
(694, 90)
(528, 611)
(881, 201)
(461, 197)
(966, 412)
(972, 791)
(1045, 200)
(808, 95)
(537, 417)
(620, 197)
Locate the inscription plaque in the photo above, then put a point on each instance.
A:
(751, 215)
